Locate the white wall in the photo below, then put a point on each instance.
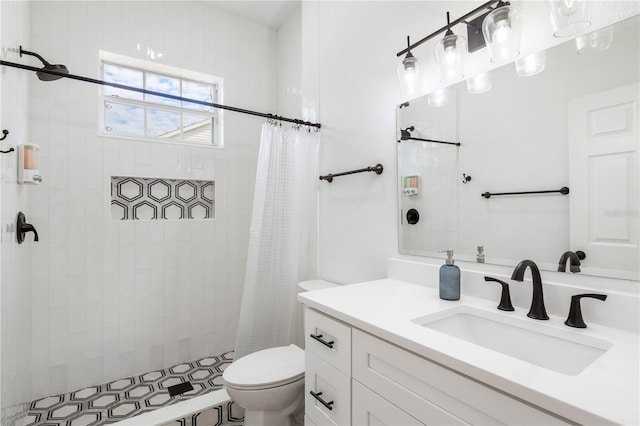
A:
(15, 259)
(111, 299)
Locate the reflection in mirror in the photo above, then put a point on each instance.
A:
(573, 125)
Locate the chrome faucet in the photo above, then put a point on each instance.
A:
(574, 261)
(537, 310)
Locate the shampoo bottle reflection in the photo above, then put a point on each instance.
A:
(449, 279)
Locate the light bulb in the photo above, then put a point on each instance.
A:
(439, 97)
(569, 17)
(449, 57)
(566, 7)
(501, 29)
(595, 42)
(502, 33)
(408, 73)
(410, 77)
(479, 83)
(531, 64)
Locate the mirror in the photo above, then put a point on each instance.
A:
(529, 134)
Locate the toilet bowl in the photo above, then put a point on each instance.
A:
(268, 384)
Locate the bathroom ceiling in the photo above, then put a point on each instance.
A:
(271, 13)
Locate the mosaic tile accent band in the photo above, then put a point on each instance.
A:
(136, 198)
(128, 397)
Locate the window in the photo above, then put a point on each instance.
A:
(136, 115)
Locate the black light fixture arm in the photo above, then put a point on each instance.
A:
(450, 25)
(151, 92)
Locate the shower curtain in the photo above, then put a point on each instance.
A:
(282, 224)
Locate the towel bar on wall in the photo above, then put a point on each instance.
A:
(377, 169)
(564, 191)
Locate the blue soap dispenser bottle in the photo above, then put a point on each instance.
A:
(449, 279)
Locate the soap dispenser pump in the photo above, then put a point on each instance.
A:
(449, 279)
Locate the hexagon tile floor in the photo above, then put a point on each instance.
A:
(128, 397)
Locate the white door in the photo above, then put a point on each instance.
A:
(603, 151)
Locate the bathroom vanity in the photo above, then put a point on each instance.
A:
(391, 352)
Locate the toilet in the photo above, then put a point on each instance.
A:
(269, 384)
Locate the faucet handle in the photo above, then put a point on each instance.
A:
(575, 311)
(505, 299)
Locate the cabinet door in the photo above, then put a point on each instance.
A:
(433, 393)
(371, 409)
(329, 385)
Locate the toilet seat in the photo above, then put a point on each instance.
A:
(268, 368)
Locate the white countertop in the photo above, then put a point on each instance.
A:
(607, 391)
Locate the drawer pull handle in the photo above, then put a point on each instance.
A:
(321, 340)
(322, 401)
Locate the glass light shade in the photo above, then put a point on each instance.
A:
(501, 29)
(439, 97)
(531, 64)
(479, 83)
(568, 17)
(595, 42)
(449, 55)
(408, 74)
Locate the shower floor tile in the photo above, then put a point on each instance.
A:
(130, 396)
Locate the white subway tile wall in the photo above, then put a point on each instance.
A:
(97, 299)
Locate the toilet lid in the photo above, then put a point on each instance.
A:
(266, 368)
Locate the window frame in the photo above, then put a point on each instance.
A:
(183, 75)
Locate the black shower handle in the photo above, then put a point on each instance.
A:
(23, 227)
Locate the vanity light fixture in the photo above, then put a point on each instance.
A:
(531, 64)
(568, 17)
(449, 53)
(595, 42)
(502, 36)
(408, 72)
(479, 83)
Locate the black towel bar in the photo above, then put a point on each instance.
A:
(564, 191)
(377, 169)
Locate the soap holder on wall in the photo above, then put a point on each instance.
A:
(28, 164)
(410, 185)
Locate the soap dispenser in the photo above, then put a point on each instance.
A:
(449, 279)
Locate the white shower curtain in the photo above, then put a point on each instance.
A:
(282, 223)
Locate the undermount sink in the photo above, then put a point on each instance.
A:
(567, 352)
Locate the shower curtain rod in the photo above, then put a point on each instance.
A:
(164, 95)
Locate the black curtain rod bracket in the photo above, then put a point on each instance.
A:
(564, 191)
(151, 92)
(377, 169)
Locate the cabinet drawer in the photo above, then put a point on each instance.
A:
(331, 340)
(371, 409)
(331, 386)
(308, 422)
(422, 387)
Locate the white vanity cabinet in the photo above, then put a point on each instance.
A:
(373, 382)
